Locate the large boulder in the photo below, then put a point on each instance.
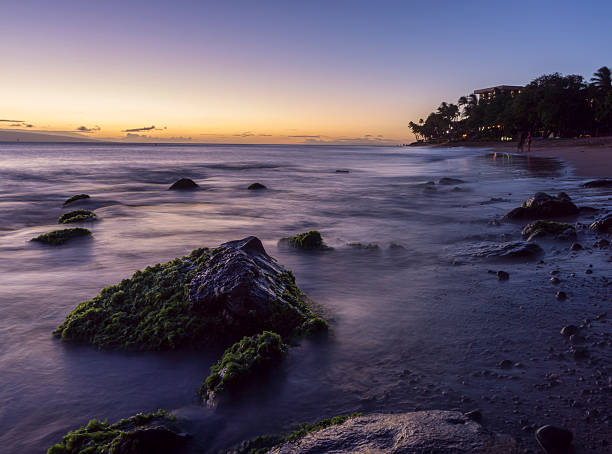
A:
(542, 206)
(603, 224)
(307, 241)
(442, 432)
(604, 183)
(557, 230)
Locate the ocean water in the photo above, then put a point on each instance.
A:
(414, 321)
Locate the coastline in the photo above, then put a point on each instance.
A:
(589, 157)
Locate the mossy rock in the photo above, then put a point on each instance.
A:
(560, 230)
(76, 197)
(308, 241)
(184, 184)
(241, 361)
(256, 186)
(76, 216)
(195, 301)
(152, 433)
(541, 206)
(263, 443)
(59, 237)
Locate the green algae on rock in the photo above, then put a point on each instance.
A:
(307, 241)
(76, 216)
(205, 298)
(241, 361)
(560, 230)
(59, 237)
(541, 205)
(76, 197)
(149, 433)
(263, 443)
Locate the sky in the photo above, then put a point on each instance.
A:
(276, 72)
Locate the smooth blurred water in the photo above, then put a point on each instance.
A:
(409, 323)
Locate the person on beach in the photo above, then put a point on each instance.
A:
(529, 142)
(519, 146)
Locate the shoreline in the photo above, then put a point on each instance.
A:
(589, 157)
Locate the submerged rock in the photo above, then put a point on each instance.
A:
(59, 237)
(153, 433)
(449, 181)
(559, 230)
(77, 216)
(255, 186)
(519, 249)
(308, 241)
(242, 361)
(184, 184)
(205, 298)
(443, 432)
(542, 205)
(603, 183)
(76, 197)
(554, 440)
(603, 224)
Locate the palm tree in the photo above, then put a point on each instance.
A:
(602, 79)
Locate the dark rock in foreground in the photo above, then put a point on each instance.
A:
(308, 241)
(154, 433)
(558, 230)
(449, 181)
(511, 250)
(205, 298)
(442, 432)
(59, 237)
(602, 225)
(76, 197)
(604, 183)
(542, 205)
(76, 216)
(256, 186)
(184, 184)
(242, 361)
(554, 440)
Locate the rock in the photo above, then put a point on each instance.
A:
(589, 271)
(603, 243)
(150, 440)
(442, 432)
(561, 295)
(76, 216)
(76, 197)
(494, 222)
(559, 230)
(342, 171)
(511, 250)
(603, 183)
(256, 186)
(203, 299)
(542, 205)
(59, 237)
(506, 364)
(244, 286)
(358, 245)
(602, 225)
(555, 280)
(576, 246)
(308, 241)
(554, 440)
(474, 415)
(449, 181)
(569, 330)
(184, 184)
(576, 339)
(503, 276)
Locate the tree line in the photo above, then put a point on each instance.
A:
(552, 105)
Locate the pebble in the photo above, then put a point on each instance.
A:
(554, 440)
(576, 246)
(502, 276)
(506, 364)
(474, 415)
(555, 280)
(561, 295)
(569, 330)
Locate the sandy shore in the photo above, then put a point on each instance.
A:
(590, 157)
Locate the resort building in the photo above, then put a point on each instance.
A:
(488, 93)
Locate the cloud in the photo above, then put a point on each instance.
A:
(86, 129)
(305, 137)
(15, 124)
(12, 121)
(130, 135)
(264, 135)
(244, 134)
(28, 126)
(146, 128)
(367, 139)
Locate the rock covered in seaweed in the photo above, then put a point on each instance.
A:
(76, 216)
(602, 225)
(442, 432)
(184, 184)
(76, 197)
(153, 433)
(244, 286)
(197, 300)
(541, 205)
(59, 237)
(243, 360)
(307, 241)
(558, 230)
